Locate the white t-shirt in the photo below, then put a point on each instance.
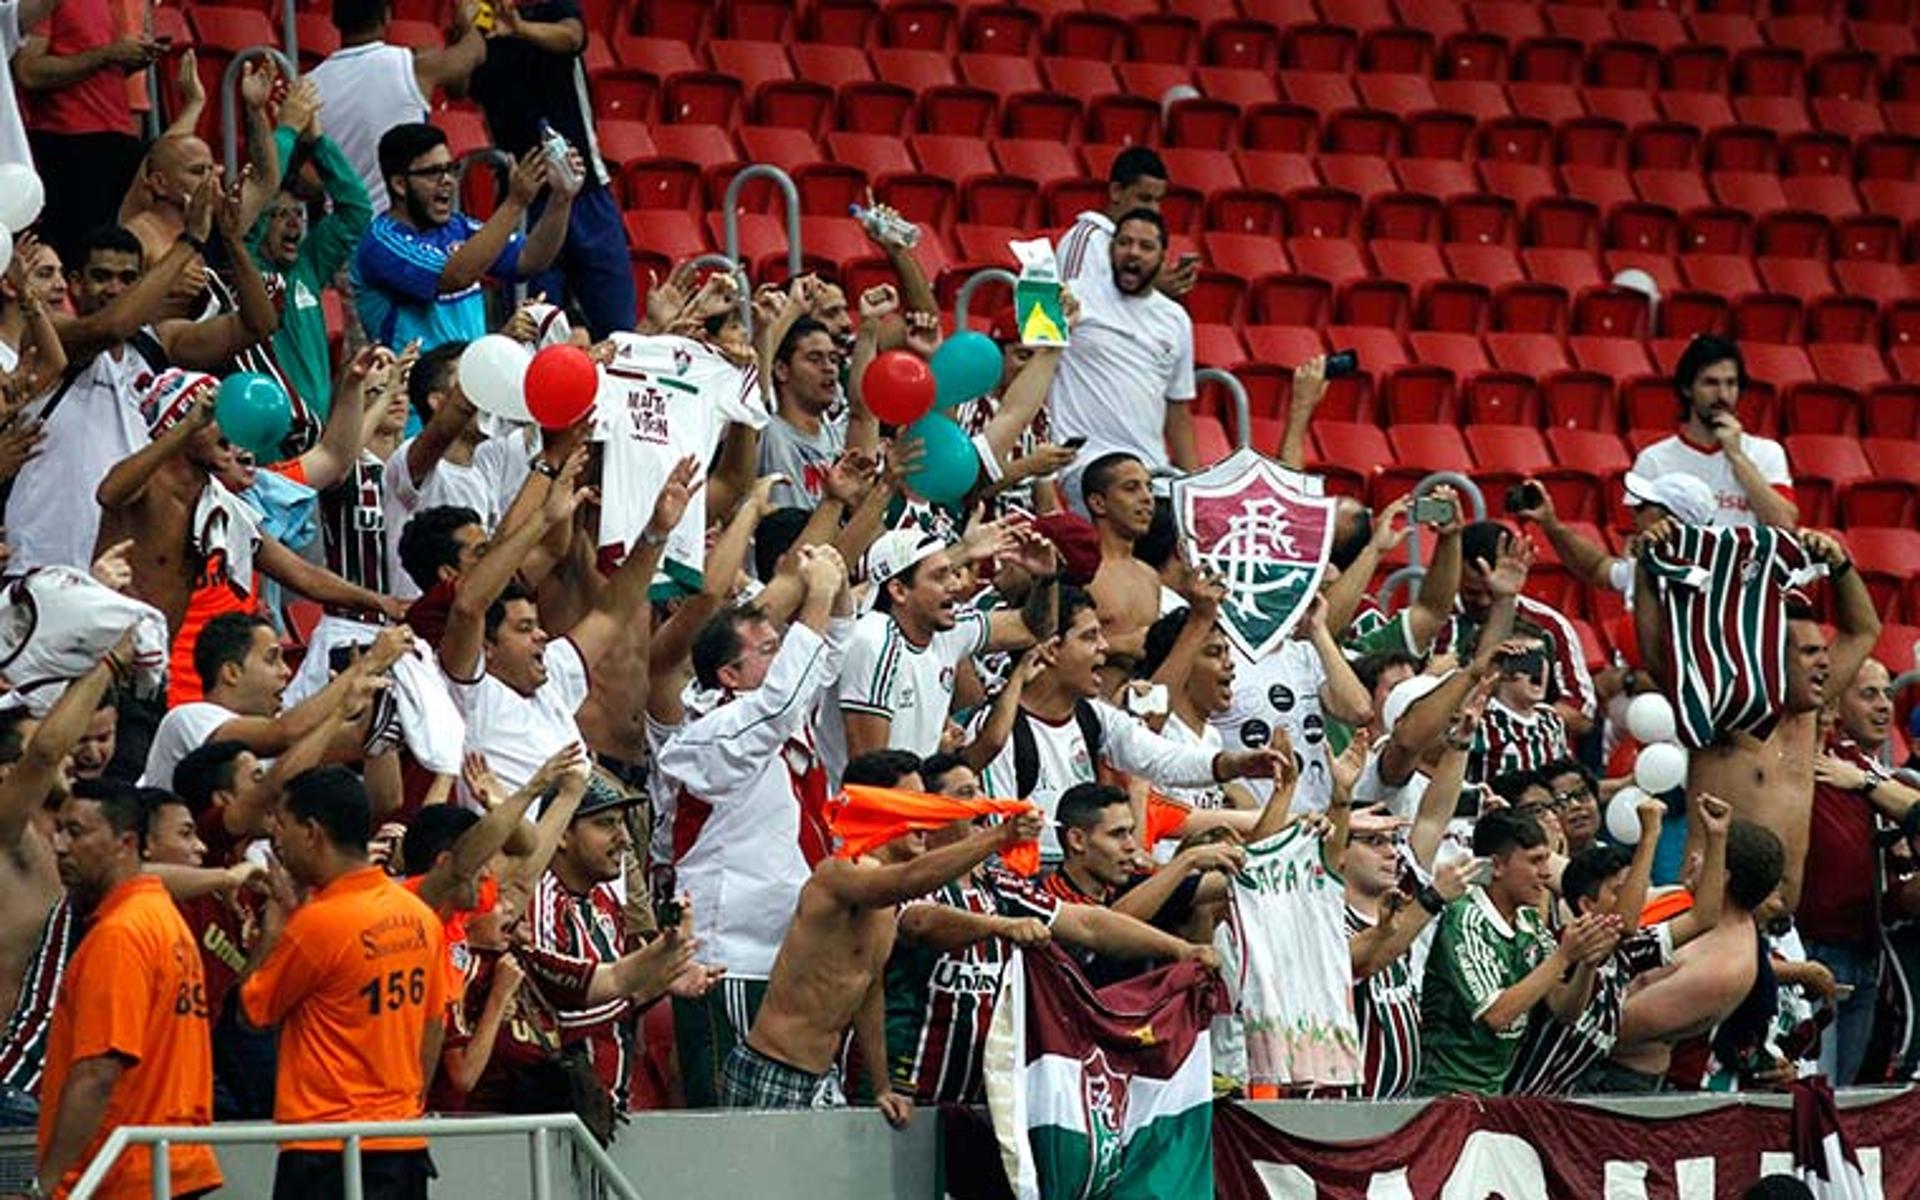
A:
(13, 132)
(1087, 245)
(52, 517)
(1370, 788)
(1675, 456)
(1207, 738)
(367, 90)
(517, 733)
(182, 731)
(1282, 691)
(448, 484)
(505, 462)
(1130, 357)
(885, 675)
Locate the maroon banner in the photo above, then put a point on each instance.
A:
(1535, 1149)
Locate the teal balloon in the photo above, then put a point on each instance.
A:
(965, 367)
(948, 462)
(254, 413)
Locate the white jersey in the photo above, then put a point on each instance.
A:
(662, 399)
(92, 423)
(1282, 691)
(1207, 737)
(366, 91)
(182, 731)
(1674, 455)
(1087, 245)
(458, 485)
(1130, 357)
(56, 622)
(516, 733)
(505, 462)
(886, 675)
(1288, 965)
(1064, 759)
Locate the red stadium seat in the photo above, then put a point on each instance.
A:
(1857, 367)
(1885, 558)
(1823, 465)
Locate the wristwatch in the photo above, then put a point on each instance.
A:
(1429, 898)
(542, 467)
(649, 538)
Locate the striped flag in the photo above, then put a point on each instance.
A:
(1822, 1155)
(1103, 1094)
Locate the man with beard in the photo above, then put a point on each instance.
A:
(1126, 380)
(1748, 474)
(1838, 916)
(897, 681)
(418, 271)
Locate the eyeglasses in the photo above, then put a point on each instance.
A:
(437, 171)
(1561, 799)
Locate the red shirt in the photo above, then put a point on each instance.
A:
(1836, 902)
(98, 103)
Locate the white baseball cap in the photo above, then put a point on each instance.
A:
(1685, 496)
(894, 553)
(1403, 696)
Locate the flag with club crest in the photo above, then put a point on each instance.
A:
(1103, 1094)
(1245, 520)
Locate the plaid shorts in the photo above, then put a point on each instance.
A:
(752, 1080)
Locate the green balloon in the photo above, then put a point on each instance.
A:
(254, 413)
(948, 462)
(965, 367)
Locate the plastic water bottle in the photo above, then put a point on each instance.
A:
(559, 164)
(886, 226)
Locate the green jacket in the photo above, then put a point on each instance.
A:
(300, 344)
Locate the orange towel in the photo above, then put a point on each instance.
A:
(1165, 818)
(866, 818)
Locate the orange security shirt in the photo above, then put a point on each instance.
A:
(353, 983)
(454, 934)
(135, 990)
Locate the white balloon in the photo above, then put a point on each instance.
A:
(1650, 718)
(21, 196)
(493, 374)
(1660, 767)
(1623, 823)
(6, 248)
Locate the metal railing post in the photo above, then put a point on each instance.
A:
(1415, 571)
(965, 296)
(731, 219)
(229, 92)
(162, 1171)
(1242, 406)
(542, 1166)
(351, 1166)
(290, 32)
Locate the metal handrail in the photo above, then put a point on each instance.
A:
(1414, 571)
(1242, 405)
(290, 31)
(537, 1128)
(965, 295)
(731, 219)
(229, 89)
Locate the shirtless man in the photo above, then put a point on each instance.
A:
(1119, 497)
(1770, 781)
(832, 965)
(153, 498)
(178, 164)
(1711, 974)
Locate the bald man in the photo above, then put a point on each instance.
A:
(155, 207)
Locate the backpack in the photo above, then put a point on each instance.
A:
(1026, 750)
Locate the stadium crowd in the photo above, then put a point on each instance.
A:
(539, 813)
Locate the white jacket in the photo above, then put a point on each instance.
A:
(738, 776)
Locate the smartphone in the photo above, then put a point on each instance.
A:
(668, 912)
(1433, 510)
(1075, 442)
(1524, 497)
(1342, 362)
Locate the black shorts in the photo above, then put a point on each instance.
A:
(320, 1175)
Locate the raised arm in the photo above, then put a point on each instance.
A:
(27, 786)
(1344, 594)
(998, 727)
(623, 605)
(505, 818)
(333, 458)
(127, 482)
(1309, 388)
(896, 883)
(1856, 620)
(1433, 605)
(461, 643)
(477, 255)
(1710, 890)
(208, 345)
(450, 68)
(1588, 562)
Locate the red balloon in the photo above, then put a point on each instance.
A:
(898, 387)
(561, 384)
